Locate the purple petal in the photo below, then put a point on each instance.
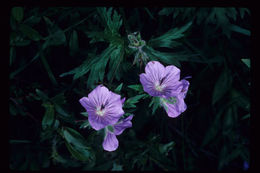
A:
(148, 85)
(110, 142)
(154, 70)
(99, 95)
(113, 108)
(98, 122)
(185, 87)
(123, 100)
(174, 110)
(122, 125)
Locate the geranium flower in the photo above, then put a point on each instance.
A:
(159, 80)
(175, 104)
(103, 107)
(164, 82)
(110, 142)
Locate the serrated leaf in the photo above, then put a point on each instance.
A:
(30, 32)
(98, 68)
(112, 22)
(17, 13)
(222, 85)
(167, 39)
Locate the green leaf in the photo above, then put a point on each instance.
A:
(240, 30)
(55, 39)
(17, 13)
(84, 114)
(76, 144)
(43, 96)
(81, 154)
(156, 103)
(167, 39)
(48, 118)
(115, 60)
(61, 111)
(222, 85)
(118, 89)
(98, 68)
(245, 117)
(130, 103)
(137, 87)
(81, 70)
(247, 62)
(85, 124)
(112, 22)
(73, 43)
(30, 32)
(166, 148)
(213, 129)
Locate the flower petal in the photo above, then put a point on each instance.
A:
(171, 80)
(174, 110)
(113, 108)
(148, 85)
(185, 87)
(97, 122)
(99, 95)
(154, 70)
(122, 125)
(110, 142)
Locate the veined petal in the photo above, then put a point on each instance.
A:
(122, 125)
(174, 110)
(99, 95)
(110, 142)
(154, 70)
(97, 122)
(149, 85)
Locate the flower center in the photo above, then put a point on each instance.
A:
(100, 111)
(159, 87)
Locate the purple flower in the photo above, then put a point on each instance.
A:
(159, 80)
(175, 105)
(163, 82)
(110, 142)
(103, 107)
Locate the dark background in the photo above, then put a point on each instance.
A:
(45, 43)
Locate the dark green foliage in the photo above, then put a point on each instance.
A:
(59, 54)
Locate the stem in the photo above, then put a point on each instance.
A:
(48, 69)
